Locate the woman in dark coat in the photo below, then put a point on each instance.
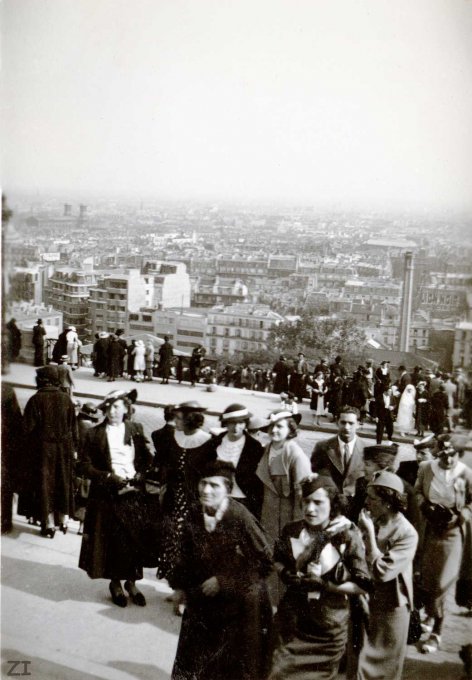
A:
(438, 412)
(166, 354)
(39, 333)
(225, 558)
(116, 355)
(237, 447)
(320, 568)
(180, 463)
(421, 408)
(281, 372)
(118, 522)
(50, 429)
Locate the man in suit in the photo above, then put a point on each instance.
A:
(342, 457)
(384, 408)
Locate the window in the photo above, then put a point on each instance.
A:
(133, 317)
(147, 317)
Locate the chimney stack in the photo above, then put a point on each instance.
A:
(83, 210)
(407, 299)
(67, 210)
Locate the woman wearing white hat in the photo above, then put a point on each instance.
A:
(281, 469)
(236, 446)
(73, 344)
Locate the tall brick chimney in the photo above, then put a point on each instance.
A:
(407, 300)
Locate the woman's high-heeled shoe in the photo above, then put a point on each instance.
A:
(136, 596)
(48, 532)
(63, 528)
(118, 596)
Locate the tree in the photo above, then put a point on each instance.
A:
(320, 337)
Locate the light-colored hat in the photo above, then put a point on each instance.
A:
(235, 412)
(276, 416)
(388, 480)
(131, 396)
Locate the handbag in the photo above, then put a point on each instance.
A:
(414, 628)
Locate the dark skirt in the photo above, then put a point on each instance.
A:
(226, 637)
(312, 638)
(120, 536)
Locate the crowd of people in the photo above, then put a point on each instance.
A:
(282, 565)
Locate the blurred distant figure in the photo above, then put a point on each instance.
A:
(73, 344)
(66, 381)
(39, 333)
(280, 372)
(166, 354)
(148, 360)
(195, 364)
(13, 340)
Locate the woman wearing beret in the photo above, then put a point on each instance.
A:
(322, 562)
(115, 457)
(390, 542)
(237, 447)
(444, 492)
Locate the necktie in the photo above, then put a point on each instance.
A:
(346, 456)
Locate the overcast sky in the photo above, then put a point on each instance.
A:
(356, 102)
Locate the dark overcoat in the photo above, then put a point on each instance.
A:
(115, 525)
(225, 636)
(50, 429)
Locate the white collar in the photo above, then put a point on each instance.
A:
(351, 445)
(211, 521)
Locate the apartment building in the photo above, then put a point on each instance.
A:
(240, 328)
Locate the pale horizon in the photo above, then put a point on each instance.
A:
(340, 105)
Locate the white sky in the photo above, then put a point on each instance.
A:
(358, 102)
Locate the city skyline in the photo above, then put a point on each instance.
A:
(364, 106)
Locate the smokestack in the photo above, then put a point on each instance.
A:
(67, 210)
(407, 299)
(83, 210)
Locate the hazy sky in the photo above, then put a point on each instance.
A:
(358, 102)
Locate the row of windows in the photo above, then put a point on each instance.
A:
(196, 334)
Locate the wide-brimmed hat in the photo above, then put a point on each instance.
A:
(388, 480)
(90, 411)
(235, 412)
(65, 357)
(190, 406)
(276, 416)
(131, 396)
(382, 454)
(72, 328)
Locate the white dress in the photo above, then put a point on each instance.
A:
(405, 417)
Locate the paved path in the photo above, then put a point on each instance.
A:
(65, 624)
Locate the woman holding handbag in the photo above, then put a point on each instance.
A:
(321, 560)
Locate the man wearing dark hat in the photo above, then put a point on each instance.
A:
(280, 373)
(225, 559)
(341, 457)
(404, 379)
(384, 407)
(39, 333)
